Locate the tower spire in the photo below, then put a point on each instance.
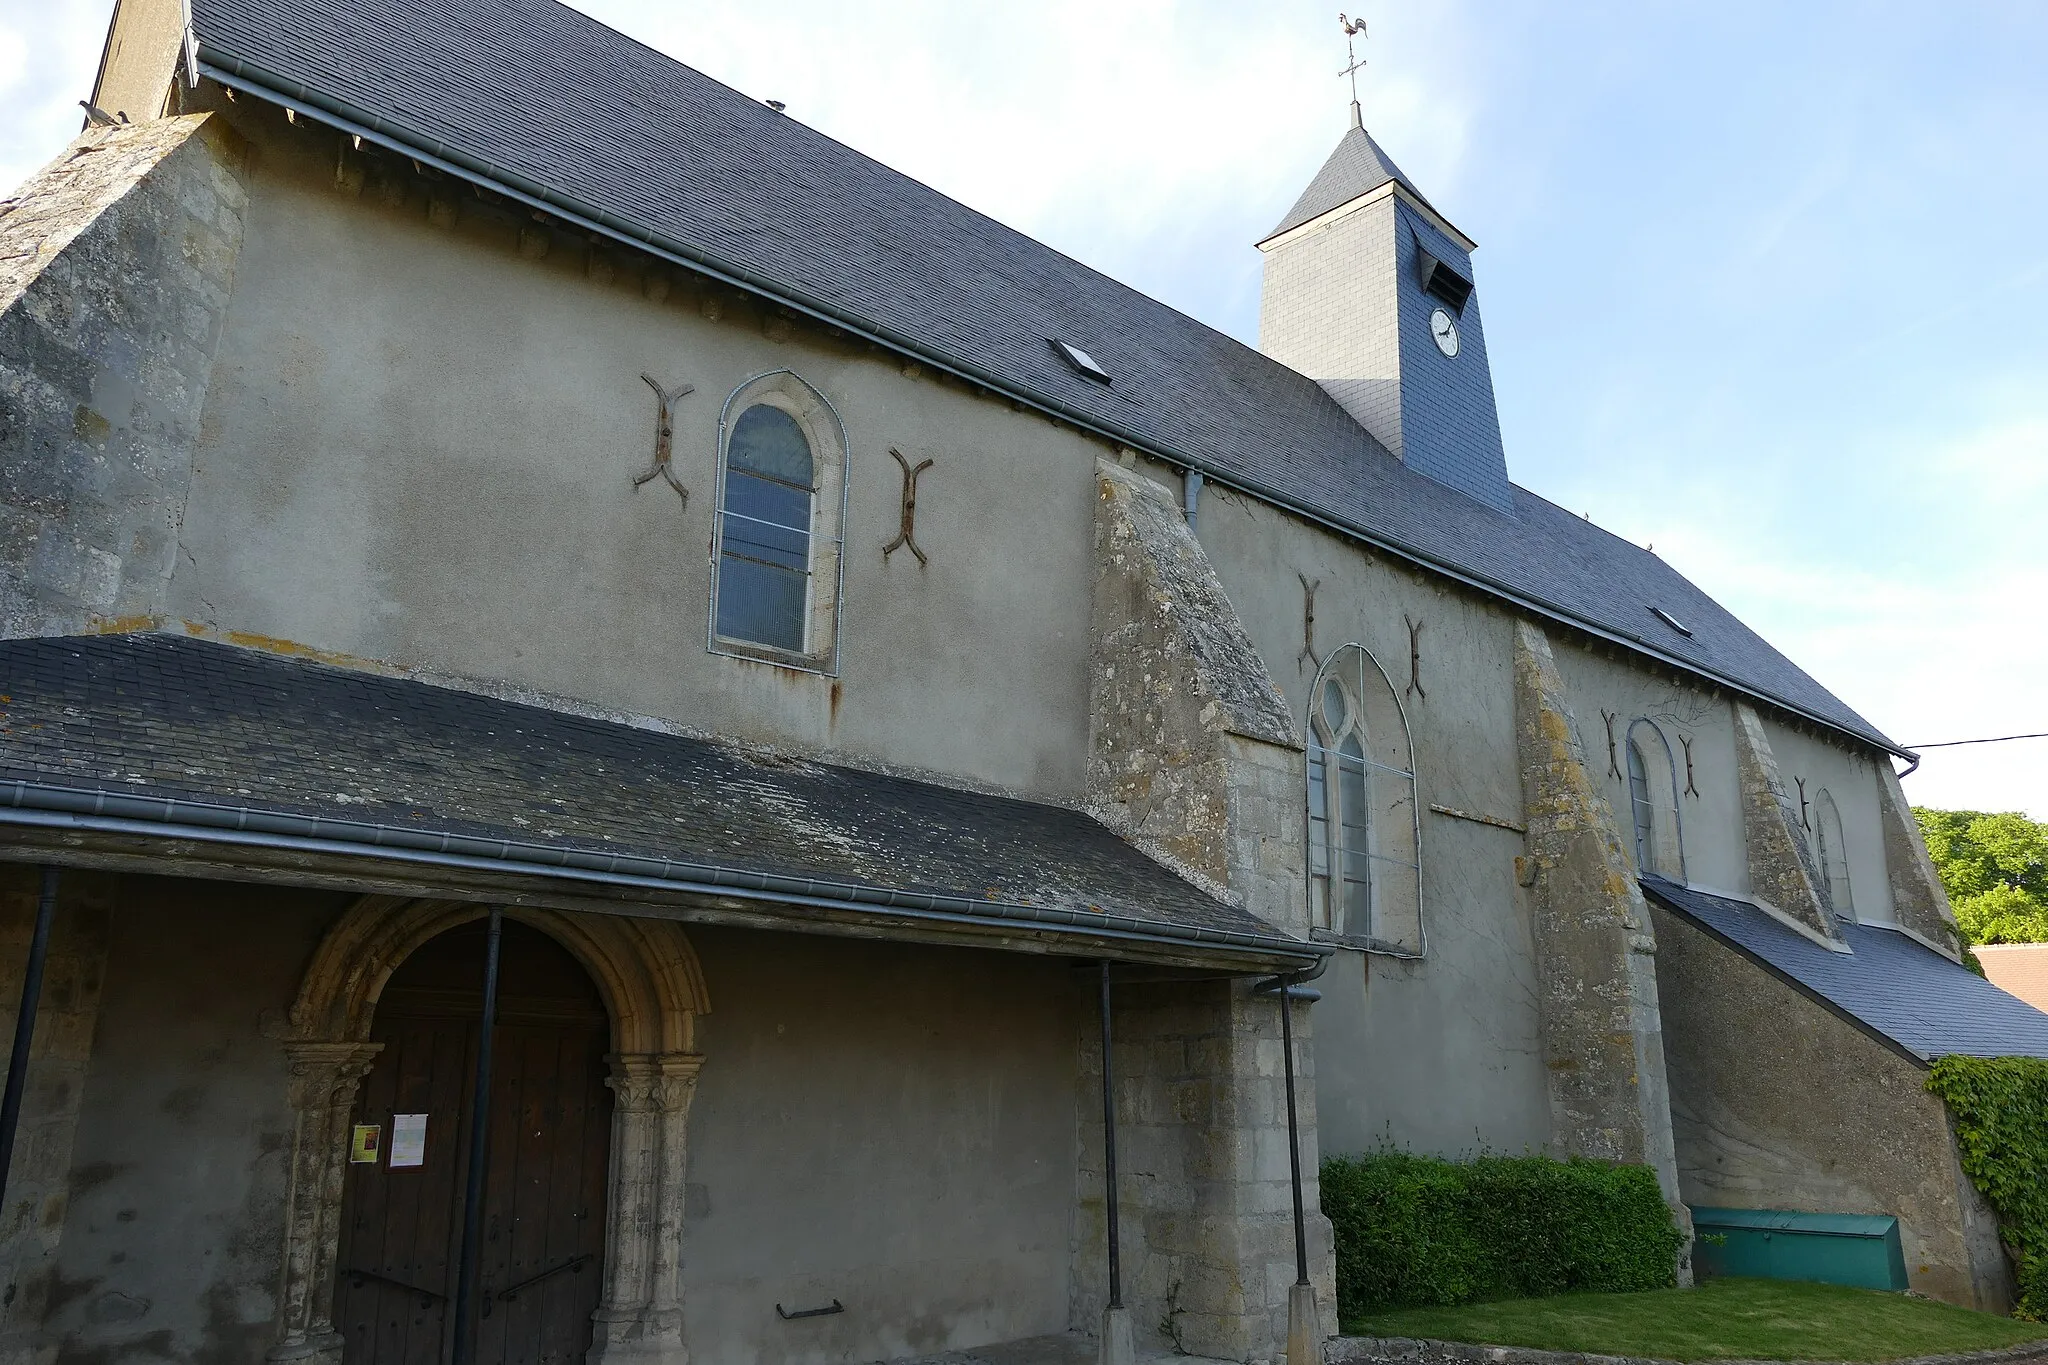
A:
(1353, 29)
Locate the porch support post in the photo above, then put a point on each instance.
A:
(1304, 1330)
(25, 1026)
(1115, 1346)
(640, 1318)
(324, 1078)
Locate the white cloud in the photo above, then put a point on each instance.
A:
(1937, 631)
(49, 51)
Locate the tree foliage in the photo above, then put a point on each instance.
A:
(1995, 870)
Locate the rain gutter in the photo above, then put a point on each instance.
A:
(38, 805)
(372, 127)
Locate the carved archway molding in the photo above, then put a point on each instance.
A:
(647, 974)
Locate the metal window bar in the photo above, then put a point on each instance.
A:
(717, 644)
(1317, 875)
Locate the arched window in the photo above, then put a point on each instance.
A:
(1653, 803)
(1364, 864)
(1833, 856)
(781, 500)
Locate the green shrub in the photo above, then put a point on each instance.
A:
(2000, 1105)
(1414, 1230)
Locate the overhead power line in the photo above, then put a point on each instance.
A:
(1995, 739)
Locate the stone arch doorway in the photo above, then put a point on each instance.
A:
(544, 1183)
(645, 973)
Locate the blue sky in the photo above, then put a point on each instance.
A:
(1765, 286)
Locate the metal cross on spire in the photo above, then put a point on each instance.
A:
(1353, 30)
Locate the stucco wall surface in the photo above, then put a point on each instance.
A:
(1855, 784)
(1778, 1103)
(1600, 686)
(1441, 1054)
(888, 1126)
(171, 1245)
(421, 443)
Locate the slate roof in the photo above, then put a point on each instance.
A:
(169, 717)
(535, 98)
(1891, 984)
(1359, 165)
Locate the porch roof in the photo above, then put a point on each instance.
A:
(1888, 984)
(153, 737)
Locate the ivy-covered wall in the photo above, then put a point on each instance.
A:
(2000, 1109)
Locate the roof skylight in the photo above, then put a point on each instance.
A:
(1672, 621)
(1081, 361)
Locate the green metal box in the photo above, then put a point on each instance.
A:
(1860, 1249)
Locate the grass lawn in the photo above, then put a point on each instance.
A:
(1720, 1320)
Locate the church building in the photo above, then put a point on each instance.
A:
(627, 737)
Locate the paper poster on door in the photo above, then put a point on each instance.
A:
(408, 1140)
(364, 1144)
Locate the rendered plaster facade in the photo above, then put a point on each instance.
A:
(426, 420)
(399, 426)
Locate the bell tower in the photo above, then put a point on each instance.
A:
(1368, 291)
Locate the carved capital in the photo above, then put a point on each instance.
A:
(654, 1082)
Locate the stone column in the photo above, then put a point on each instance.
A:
(641, 1316)
(1205, 1198)
(324, 1078)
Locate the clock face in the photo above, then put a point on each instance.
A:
(1444, 329)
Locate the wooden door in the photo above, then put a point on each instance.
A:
(544, 1191)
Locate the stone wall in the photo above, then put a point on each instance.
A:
(1595, 946)
(1779, 1103)
(39, 1184)
(1192, 754)
(115, 267)
(1205, 1194)
(1782, 870)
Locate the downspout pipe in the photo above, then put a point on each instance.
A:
(1304, 1323)
(1191, 495)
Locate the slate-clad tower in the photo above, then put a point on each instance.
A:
(1368, 291)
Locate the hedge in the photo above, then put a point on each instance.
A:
(2000, 1107)
(1415, 1231)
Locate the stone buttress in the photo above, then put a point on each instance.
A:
(1193, 758)
(1783, 874)
(1603, 1038)
(116, 263)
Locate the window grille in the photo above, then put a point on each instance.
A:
(776, 563)
(1364, 820)
(1653, 803)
